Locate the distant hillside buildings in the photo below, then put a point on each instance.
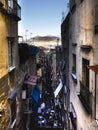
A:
(45, 41)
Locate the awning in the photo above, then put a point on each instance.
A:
(36, 93)
(94, 68)
(13, 94)
(58, 89)
(33, 50)
(65, 89)
(31, 80)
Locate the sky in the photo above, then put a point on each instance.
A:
(41, 17)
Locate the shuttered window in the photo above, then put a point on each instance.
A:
(11, 51)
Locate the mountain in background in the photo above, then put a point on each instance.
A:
(45, 38)
(45, 41)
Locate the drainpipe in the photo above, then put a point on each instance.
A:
(95, 97)
(28, 122)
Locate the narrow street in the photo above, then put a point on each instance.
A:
(48, 115)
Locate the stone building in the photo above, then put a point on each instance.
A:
(27, 80)
(65, 70)
(10, 14)
(79, 42)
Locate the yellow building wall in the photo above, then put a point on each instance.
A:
(8, 27)
(4, 105)
(3, 47)
(8, 80)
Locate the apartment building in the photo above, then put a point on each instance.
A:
(79, 32)
(9, 17)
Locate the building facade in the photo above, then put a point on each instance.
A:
(79, 39)
(27, 81)
(9, 17)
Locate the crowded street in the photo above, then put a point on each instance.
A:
(47, 114)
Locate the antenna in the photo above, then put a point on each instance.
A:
(62, 15)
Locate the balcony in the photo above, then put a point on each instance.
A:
(86, 48)
(72, 5)
(85, 96)
(14, 10)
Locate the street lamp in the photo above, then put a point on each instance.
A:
(57, 41)
(26, 34)
(30, 35)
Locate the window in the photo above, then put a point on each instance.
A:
(74, 68)
(85, 94)
(74, 64)
(96, 29)
(14, 9)
(10, 4)
(85, 72)
(96, 17)
(11, 51)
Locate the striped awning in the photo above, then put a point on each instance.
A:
(31, 80)
(58, 89)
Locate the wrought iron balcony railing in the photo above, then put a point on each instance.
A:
(14, 9)
(85, 96)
